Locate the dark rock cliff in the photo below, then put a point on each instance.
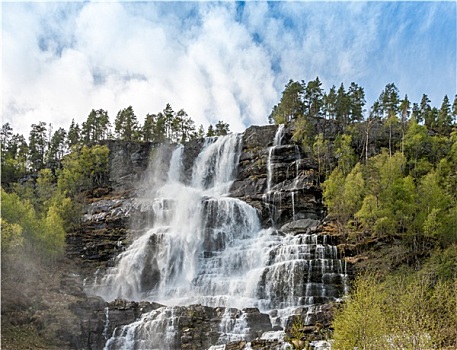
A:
(294, 191)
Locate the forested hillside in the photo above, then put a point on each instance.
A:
(391, 190)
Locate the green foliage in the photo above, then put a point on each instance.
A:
(168, 125)
(303, 133)
(361, 322)
(73, 135)
(313, 98)
(344, 195)
(96, 126)
(344, 153)
(210, 132)
(321, 152)
(83, 169)
(126, 125)
(37, 146)
(222, 128)
(291, 104)
(44, 236)
(11, 235)
(384, 200)
(295, 334)
(403, 311)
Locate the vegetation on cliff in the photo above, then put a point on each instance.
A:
(391, 188)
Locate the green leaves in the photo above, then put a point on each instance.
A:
(397, 312)
(44, 236)
(83, 168)
(361, 322)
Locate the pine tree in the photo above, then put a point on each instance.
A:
(389, 100)
(343, 108)
(37, 145)
(222, 128)
(201, 131)
(73, 135)
(148, 127)
(329, 103)
(313, 98)
(356, 96)
(126, 125)
(444, 117)
(424, 109)
(291, 105)
(210, 132)
(56, 148)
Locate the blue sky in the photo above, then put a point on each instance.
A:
(216, 60)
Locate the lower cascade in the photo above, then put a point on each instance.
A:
(206, 252)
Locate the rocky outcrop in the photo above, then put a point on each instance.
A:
(180, 327)
(127, 161)
(281, 182)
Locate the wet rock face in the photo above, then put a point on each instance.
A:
(127, 161)
(280, 181)
(180, 327)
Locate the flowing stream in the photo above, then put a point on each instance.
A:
(203, 247)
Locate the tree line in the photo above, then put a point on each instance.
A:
(304, 100)
(45, 147)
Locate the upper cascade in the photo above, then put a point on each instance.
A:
(203, 247)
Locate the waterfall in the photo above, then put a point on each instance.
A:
(203, 247)
(276, 142)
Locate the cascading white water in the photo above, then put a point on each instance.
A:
(204, 247)
(276, 142)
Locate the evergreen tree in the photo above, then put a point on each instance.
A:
(149, 127)
(126, 125)
(210, 132)
(405, 111)
(424, 109)
(329, 103)
(14, 155)
(313, 98)
(37, 145)
(291, 105)
(444, 117)
(201, 131)
(6, 134)
(56, 148)
(96, 126)
(73, 135)
(168, 115)
(187, 127)
(356, 96)
(431, 118)
(222, 128)
(343, 108)
(160, 131)
(389, 100)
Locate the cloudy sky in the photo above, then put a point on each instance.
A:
(216, 60)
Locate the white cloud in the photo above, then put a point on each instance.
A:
(61, 60)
